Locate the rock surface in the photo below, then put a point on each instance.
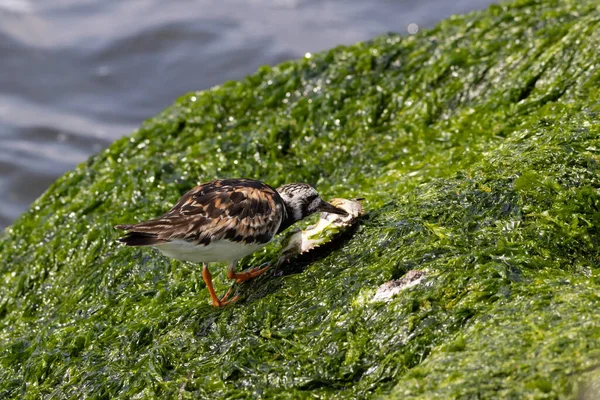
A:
(477, 148)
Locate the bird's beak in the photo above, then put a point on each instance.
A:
(330, 208)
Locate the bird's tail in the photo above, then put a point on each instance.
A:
(133, 238)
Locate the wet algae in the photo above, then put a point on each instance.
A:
(477, 147)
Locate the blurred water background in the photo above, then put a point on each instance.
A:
(77, 74)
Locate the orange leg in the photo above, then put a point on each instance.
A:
(244, 276)
(211, 290)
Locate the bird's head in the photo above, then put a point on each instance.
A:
(303, 200)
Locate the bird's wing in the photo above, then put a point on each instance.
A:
(238, 210)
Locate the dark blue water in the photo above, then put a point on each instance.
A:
(77, 74)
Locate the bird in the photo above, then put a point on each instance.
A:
(224, 220)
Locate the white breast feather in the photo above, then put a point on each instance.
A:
(219, 251)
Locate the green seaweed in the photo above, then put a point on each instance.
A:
(477, 147)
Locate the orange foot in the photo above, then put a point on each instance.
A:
(244, 276)
(223, 301)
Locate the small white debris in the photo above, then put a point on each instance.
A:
(391, 288)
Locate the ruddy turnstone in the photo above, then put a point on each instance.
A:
(225, 220)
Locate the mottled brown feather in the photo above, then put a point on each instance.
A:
(239, 210)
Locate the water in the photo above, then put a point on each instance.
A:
(77, 74)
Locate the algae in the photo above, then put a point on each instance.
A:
(476, 145)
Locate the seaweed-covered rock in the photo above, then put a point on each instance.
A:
(477, 148)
